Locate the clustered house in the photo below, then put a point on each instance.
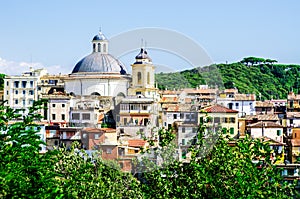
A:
(104, 108)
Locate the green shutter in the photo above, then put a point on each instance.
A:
(278, 132)
(183, 142)
(201, 120)
(231, 130)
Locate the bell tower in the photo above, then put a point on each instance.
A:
(143, 81)
(100, 43)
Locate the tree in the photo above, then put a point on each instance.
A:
(61, 173)
(227, 172)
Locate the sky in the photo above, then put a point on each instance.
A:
(56, 34)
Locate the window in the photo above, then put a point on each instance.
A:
(99, 47)
(16, 92)
(7, 83)
(94, 47)
(31, 92)
(230, 105)
(108, 150)
(53, 105)
(24, 102)
(237, 105)
(7, 92)
(16, 84)
(139, 77)
(125, 121)
(145, 107)
(148, 77)
(63, 116)
(104, 48)
(138, 92)
(24, 92)
(226, 120)
(31, 84)
(232, 120)
(24, 84)
(174, 116)
(183, 142)
(63, 105)
(16, 101)
(75, 116)
(183, 129)
(181, 115)
(217, 120)
(53, 116)
(96, 136)
(86, 116)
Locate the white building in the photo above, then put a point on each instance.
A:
(21, 90)
(99, 73)
(243, 103)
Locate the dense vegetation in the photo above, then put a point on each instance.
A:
(223, 172)
(251, 75)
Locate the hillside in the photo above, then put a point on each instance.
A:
(269, 79)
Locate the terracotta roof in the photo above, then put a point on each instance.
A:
(295, 142)
(178, 107)
(170, 92)
(219, 109)
(245, 97)
(265, 125)
(272, 141)
(200, 91)
(266, 117)
(231, 90)
(91, 130)
(136, 143)
(263, 104)
(169, 99)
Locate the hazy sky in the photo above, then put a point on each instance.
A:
(56, 34)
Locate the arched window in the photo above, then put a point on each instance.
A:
(94, 47)
(148, 77)
(139, 76)
(104, 48)
(99, 47)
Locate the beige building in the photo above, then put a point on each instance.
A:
(220, 117)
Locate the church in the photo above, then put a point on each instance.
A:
(98, 73)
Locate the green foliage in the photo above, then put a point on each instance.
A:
(226, 172)
(2, 76)
(61, 173)
(251, 75)
(215, 170)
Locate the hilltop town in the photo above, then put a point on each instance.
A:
(104, 108)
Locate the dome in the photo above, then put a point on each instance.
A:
(99, 63)
(143, 55)
(99, 37)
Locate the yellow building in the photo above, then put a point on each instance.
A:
(220, 117)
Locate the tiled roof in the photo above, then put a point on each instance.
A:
(179, 107)
(245, 97)
(219, 109)
(263, 104)
(272, 141)
(200, 91)
(231, 90)
(295, 142)
(136, 143)
(266, 117)
(265, 125)
(169, 99)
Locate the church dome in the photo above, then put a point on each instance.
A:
(99, 63)
(99, 37)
